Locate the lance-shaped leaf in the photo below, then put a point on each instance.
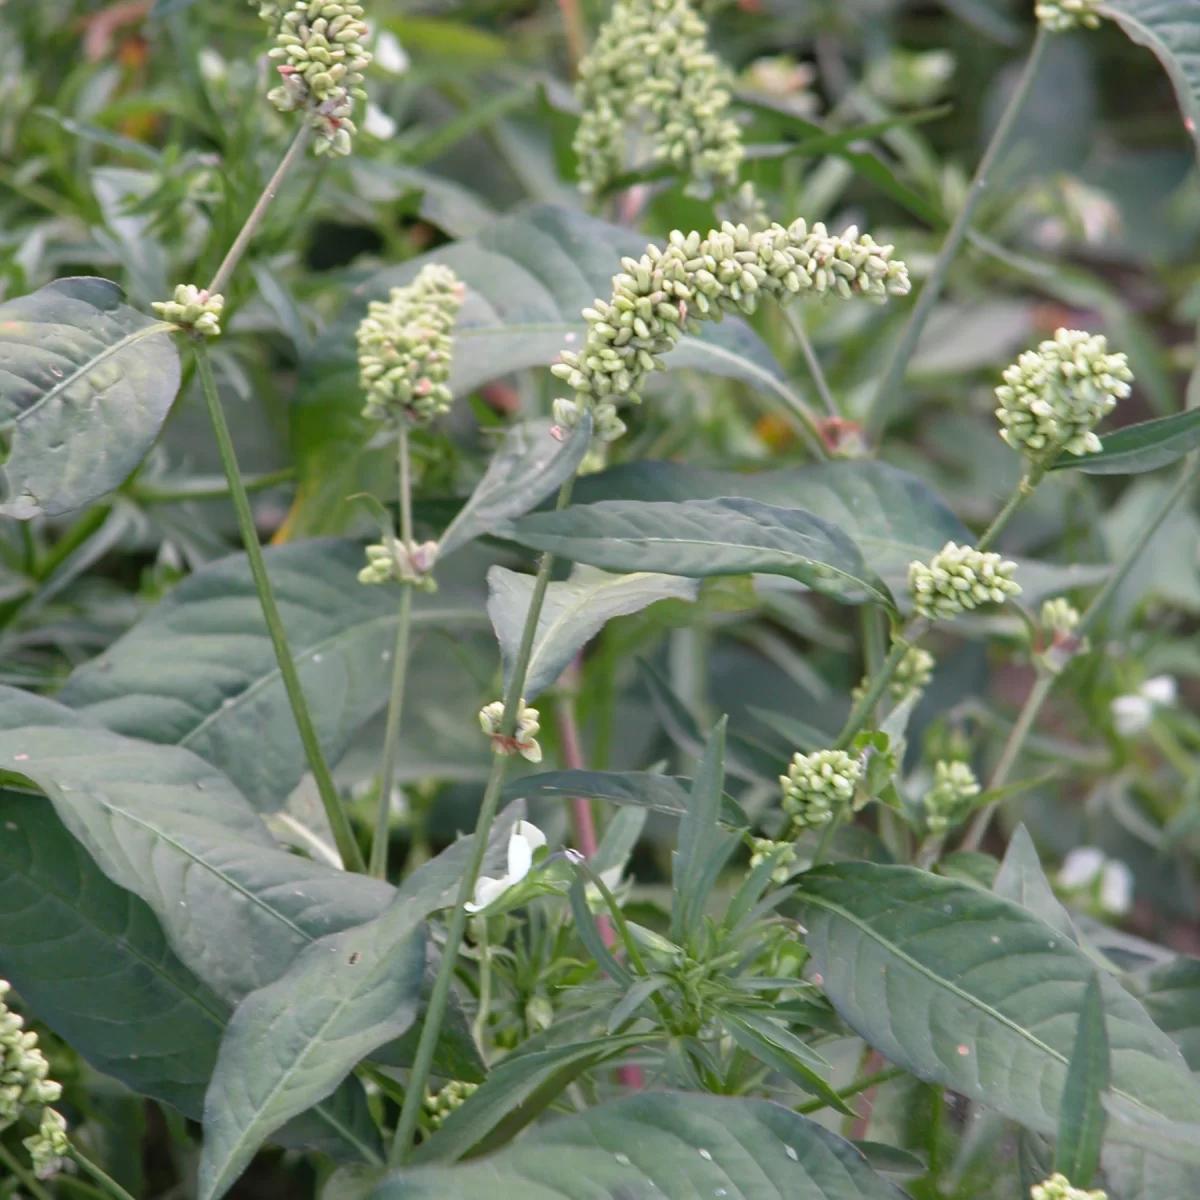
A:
(1022, 880)
(291, 1044)
(86, 382)
(1139, 448)
(1081, 1118)
(530, 465)
(972, 991)
(704, 538)
(662, 1144)
(573, 612)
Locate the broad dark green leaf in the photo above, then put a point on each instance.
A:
(530, 465)
(974, 992)
(573, 612)
(1139, 448)
(670, 794)
(705, 538)
(891, 515)
(1022, 880)
(1170, 29)
(87, 382)
(661, 1144)
(292, 1043)
(1081, 1118)
(222, 696)
(1172, 998)
(529, 276)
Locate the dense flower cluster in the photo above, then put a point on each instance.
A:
(27, 1092)
(912, 676)
(1053, 397)
(392, 559)
(659, 297)
(817, 784)
(651, 73)
(441, 1104)
(322, 45)
(952, 796)
(1058, 1187)
(958, 578)
(404, 348)
(193, 308)
(524, 739)
(764, 848)
(1059, 16)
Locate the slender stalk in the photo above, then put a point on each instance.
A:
(859, 1085)
(338, 821)
(479, 1026)
(255, 219)
(814, 363)
(391, 737)
(23, 1175)
(110, 1185)
(402, 1146)
(575, 32)
(146, 494)
(893, 374)
(1023, 490)
(860, 714)
(1045, 683)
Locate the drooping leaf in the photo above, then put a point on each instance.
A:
(1170, 29)
(528, 467)
(291, 1044)
(87, 382)
(705, 538)
(223, 697)
(1081, 1117)
(1139, 448)
(974, 992)
(573, 612)
(529, 276)
(661, 1144)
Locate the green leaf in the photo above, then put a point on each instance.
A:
(223, 697)
(1081, 1118)
(704, 538)
(974, 992)
(87, 382)
(530, 465)
(1022, 880)
(677, 1147)
(1139, 448)
(573, 612)
(519, 1089)
(529, 277)
(1172, 998)
(291, 1044)
(703, 847)
(1170, 29)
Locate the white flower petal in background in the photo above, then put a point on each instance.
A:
(1080, 868)
(1160, 690)
(1116, 888)
(1131, 714)
(212, 65)
(378, 124)
(390, 56)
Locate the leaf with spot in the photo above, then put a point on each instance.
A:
(86, 383)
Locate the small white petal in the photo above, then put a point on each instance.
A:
(378, 124)
(1116, 888)
(390, 56)
(1131, 714)
(487, 890)
(525, 839)
(1080, 867)
(1162, 689)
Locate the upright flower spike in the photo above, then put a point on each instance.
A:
(27, 1091)
(194, 309)
(1061, 16)
(652, 75)
(321, 46)
(1053, 397)
(952, 796)
(404, 348)
(1058, 1187)
(816, 785)
(660, 296)
(959, 578)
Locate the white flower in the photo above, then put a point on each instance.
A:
(1080, 868)
(378, 124)
(1160, 690)
(1132, 713)
(1116, 888)
(525, 839)
(390, 56)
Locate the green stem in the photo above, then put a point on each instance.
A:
(1021, 493)
(860, 714)
(814, 363)
(258, 212)
(147, 494)
(859, 1085)
(23, 1175)
(1045, 683)
(71, 540)
(402, 1142)
(893, 374)
(109, 1184)
(485, 989)
(391, 737)
(338, 821)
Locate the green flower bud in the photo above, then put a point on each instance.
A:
(524, 739)
(1057, 1187)
(404, 348)
(1059, 16)
(764, 848)
(959, 578)
(952, 796)
(912, 676)
(816, 785)
(26, 1091)
(392, 559)
(1053, 397)
(194, 309)
(441, 1104)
